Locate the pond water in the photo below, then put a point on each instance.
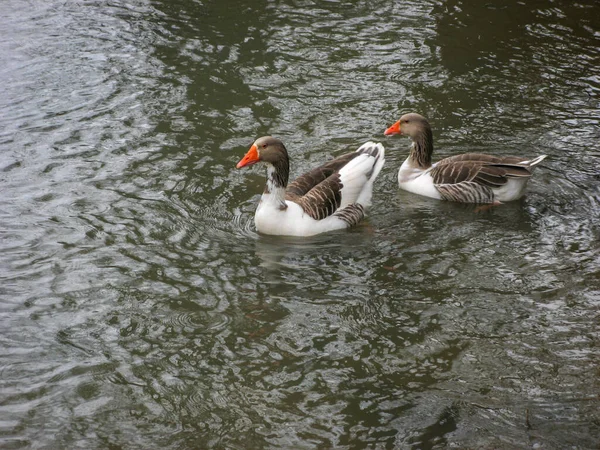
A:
(140, 309)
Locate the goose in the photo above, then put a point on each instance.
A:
(330, 197)
(466, 178)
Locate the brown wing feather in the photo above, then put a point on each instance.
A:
(304, 183)
(472, 176)
(491, 176)
(454, 172)
(319, 192)
(488, 170)
(322, 200)
(483, 158)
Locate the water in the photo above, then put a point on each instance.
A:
(139, 308)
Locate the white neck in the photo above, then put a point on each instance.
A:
(273, 194)
(408, 171)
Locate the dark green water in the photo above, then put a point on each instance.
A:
(139, 308)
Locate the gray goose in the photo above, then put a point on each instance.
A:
(330, 197)
(466, 178)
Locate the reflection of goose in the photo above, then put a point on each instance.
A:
(330, 197)
(467, 178)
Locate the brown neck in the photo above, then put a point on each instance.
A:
(278, 171)
(422, 149)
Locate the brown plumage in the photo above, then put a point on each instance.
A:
(484, 169)
(322, 200)
(319, 191)
(304, 183)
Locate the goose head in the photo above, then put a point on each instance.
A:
(265, 149)
(413, 125)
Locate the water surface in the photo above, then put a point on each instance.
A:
(140, 309)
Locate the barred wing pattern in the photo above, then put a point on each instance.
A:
(352, 214)
(304, 183)
(323, 199)
(471, 177)
(319, 192)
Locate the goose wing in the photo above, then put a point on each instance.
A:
(339, 184)
(304, 183)
(472, 176)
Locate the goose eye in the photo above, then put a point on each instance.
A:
(264, 146)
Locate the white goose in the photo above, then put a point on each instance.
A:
(466, 178)
(331, 197)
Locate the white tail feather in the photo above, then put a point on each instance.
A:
(360, 173)
(365, 196)
(534, 161)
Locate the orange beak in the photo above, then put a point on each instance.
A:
(249, 158)
(394, 129)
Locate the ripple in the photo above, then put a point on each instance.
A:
(138, 297)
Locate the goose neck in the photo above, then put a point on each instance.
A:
(422, 149)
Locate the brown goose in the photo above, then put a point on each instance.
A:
(467, 178)
(331, 197)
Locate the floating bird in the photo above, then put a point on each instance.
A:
(330, 197)
(467, 178)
